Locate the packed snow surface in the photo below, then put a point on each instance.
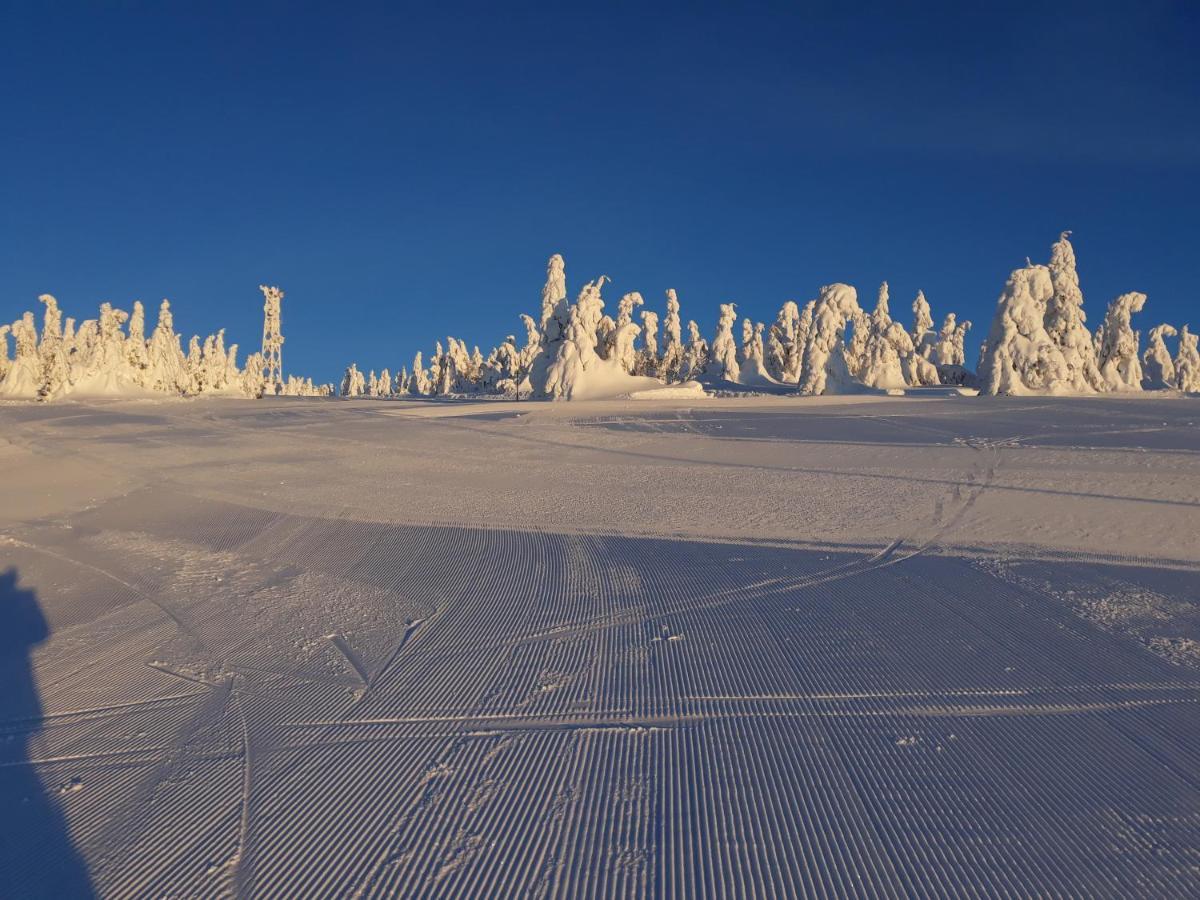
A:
(822, 646)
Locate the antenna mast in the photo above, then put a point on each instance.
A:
(272, 343)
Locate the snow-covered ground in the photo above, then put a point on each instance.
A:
(827, 646)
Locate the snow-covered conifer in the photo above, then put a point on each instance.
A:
(1158, 369)
(781, 343)
(672, 357)
(695, 355)
(55, 368)
(24, 378)
(648, 359)
(723, 362)
(1187, 362)
(420, 384)
(825, 369)
(1020, 357)
(573, 355)
(5, 359)
(1118, 357)
(1066, 320)
(168, 370)
(555, 312)
(922, 331)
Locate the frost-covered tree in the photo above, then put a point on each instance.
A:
(1020, 357)
(1187, 362)
(1158, 369)
(922, 331)
(137, 351)
(353, 384)
(695, 355)
(782, 349)
(24, 378)
(168, 370)
(555, 311)
(648, 359)
(570, 358)
(420, 383)
(372, 384)
(671, 366)
(1118, 356)
(723, 361)
(950, 348)
(825, 368)
(55, 375)
(1066, 320)
(623, 333)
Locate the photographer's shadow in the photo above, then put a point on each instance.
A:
(37, 858)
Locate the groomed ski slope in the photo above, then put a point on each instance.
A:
(777, 647)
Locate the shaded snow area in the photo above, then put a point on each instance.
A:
(781, 646)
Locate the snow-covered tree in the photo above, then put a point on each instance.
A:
(24, 378)
(5, 359)
(648, 359)
(168, 370)
(55, 374)
(555, 310)
(782, 353)
(825, 369)
(353, 384)
(420, 385)
(1066, 320)
(1020, 357)
(695, 355)
(137, 352)
(922, 331)
(723, 361)
(620, 339)
(1118, 356)
(571, 357)
(1158, 368)
(1187, 362)
(671, 366)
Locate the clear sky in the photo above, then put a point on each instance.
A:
(404, 174)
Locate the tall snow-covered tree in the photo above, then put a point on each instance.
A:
(723, 360)
(1118, 357)
(825, 368)
(5, 359)
(1187, 362)
(1066, 321)
(55, 368)
(573, 355)
(672, 357)
(168, 370)
(555, 310)
(1158, 369)
(922, 332)
(137, 352)
(24, 378)
(695, 355)
(648, 358)
(781, 344)
(1021, 358)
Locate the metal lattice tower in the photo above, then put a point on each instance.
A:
(272, 344)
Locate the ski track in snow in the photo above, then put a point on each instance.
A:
(350, 649)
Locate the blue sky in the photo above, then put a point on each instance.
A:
(403, 174)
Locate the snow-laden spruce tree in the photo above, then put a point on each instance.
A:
(648, 359)
(825, 369)
(555, 311)
(922, 331)
(881, 345)
(24, 378)
(1020, 358)
(695, 354)
(781, 339)
(168, 370)
(420, 384)
(56, 372)
(620, 339)
(1066, 320)
(1187, 362)
(137, 351)
(723, 360)
(671, 366)
(569, 357)
(1118, 356)
(1158, 369)
(353, 384)
(372, 384)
